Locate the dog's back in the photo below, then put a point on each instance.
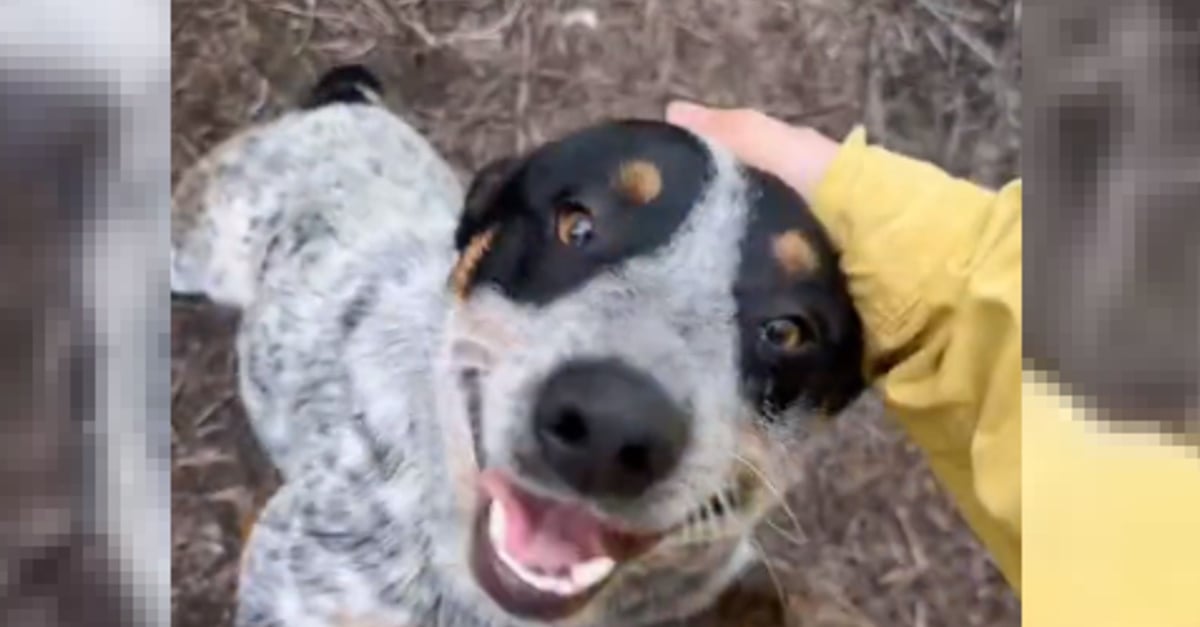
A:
(340, 169)
(291, 222)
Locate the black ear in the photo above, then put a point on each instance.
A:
(351, 84)
(481, 196)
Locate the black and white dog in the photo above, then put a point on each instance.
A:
(564, 395)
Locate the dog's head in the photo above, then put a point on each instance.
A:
(643, 329)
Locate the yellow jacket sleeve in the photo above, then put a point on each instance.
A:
(934, 266)
(1112, 521)
(1110, 530)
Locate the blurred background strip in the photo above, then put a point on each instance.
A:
(84, 185)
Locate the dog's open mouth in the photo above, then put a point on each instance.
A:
(544, 559)
(536, 557)
(540, 558)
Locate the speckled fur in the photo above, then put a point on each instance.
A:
(331, 230)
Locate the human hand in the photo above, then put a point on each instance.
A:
(799, 156)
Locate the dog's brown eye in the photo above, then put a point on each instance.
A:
(787, 334)
(575, 227)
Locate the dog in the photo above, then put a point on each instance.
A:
(562, 394)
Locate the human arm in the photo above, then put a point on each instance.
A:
(934, 265)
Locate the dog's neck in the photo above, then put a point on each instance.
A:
(397, 367)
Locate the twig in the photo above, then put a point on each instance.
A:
(313, 14)
(193, 153)
(523, 87)
(208, 412)
(874, 115)
(260, 101)
(704, 38)
(385, 10)
(963, 13)
(492, 31)
(938, 46)
(920, 560)
(921, 616)
(310, 25)
(822, 110)
(346, 50)
(969, 39)
(177, 386)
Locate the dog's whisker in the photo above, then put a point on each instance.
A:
(766, 560)
(790, 537)
(779, 495)
(729, 500)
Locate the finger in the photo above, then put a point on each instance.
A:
(686, 114)
(799, 156)
(749, 135)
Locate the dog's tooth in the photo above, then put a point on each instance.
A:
(528, 577)
(497, 527)
(544, 583)
(566, 587)
(558, 585)
(591, 572)
(511, 563)
(541, 582)
(580, 577)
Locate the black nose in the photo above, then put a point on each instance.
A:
(607, 429)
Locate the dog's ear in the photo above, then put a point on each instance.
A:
(348, 84)
(481, 196)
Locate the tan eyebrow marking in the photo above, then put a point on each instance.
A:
(795, 254)
(468, 262)
(639, 181)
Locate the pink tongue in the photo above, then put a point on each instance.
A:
(542, 534)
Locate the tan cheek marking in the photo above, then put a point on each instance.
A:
(795, 254)
(639, 181)
(248, 520)
(468, 262)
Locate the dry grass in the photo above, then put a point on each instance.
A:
(877, 542)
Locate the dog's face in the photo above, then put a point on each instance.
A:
(643, 330)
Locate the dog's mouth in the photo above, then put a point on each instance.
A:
(544, 559)
(536, 557)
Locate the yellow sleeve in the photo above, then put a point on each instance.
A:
(934, 265)
(1112, 521)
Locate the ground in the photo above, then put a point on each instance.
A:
(871, 539)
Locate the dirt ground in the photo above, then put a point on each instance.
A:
(874, 542)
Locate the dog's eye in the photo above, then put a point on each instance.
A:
(788, 334)
(575, 226)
